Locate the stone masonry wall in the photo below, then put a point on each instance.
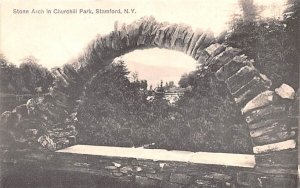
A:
(272, 125)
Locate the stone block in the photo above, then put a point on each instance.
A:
(180, 178)
(160, 35)
(215, 176)
(111, 167)
(209, 39)
(146, 182)
(170, 185)
(204, 183)
(147, 35)
(149, 165)
(285, 91)
(275, 170)
(263, 99)
(241, 78)
(196, 35)
(224, 57)
(278, 159)
(126, 169)
(203, 56)
(259, 179)
(187, 40)
(268, 112)
(215, 49)
(178, 37)
(275, 126)
(231, 67)
(168, 35)
(288, 144)
(251, 89)
(158, 176)
(273, 137)
(264, 123)
(198, 44)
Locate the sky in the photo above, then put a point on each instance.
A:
(54, 39)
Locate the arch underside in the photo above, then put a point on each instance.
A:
(250, 89)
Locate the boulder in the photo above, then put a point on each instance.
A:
(285, 91)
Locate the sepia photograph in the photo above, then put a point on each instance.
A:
(149, 93)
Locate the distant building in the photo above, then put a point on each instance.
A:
(171, 94)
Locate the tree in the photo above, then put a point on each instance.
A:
(249, 10)
(188, 79)
(34, 75)
(272, 44)
(171, 84)
(135, 76)
(8, 75)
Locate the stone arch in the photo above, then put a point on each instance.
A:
(272, 130)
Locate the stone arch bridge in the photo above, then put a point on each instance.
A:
(273, 131)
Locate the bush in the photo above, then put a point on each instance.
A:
(115, 112)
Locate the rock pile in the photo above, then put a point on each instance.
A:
(33, 126)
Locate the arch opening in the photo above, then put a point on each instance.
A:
(120, 113)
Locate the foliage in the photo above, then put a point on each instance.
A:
(272, 43)
(110, 105)
(35, 75)
(187, 79)
(26, 79)
(212, 117)
(115, 112)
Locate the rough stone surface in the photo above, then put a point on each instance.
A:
(278, 159)
(33, 126)
(144, 181)
(180, 178)
(257, 179)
